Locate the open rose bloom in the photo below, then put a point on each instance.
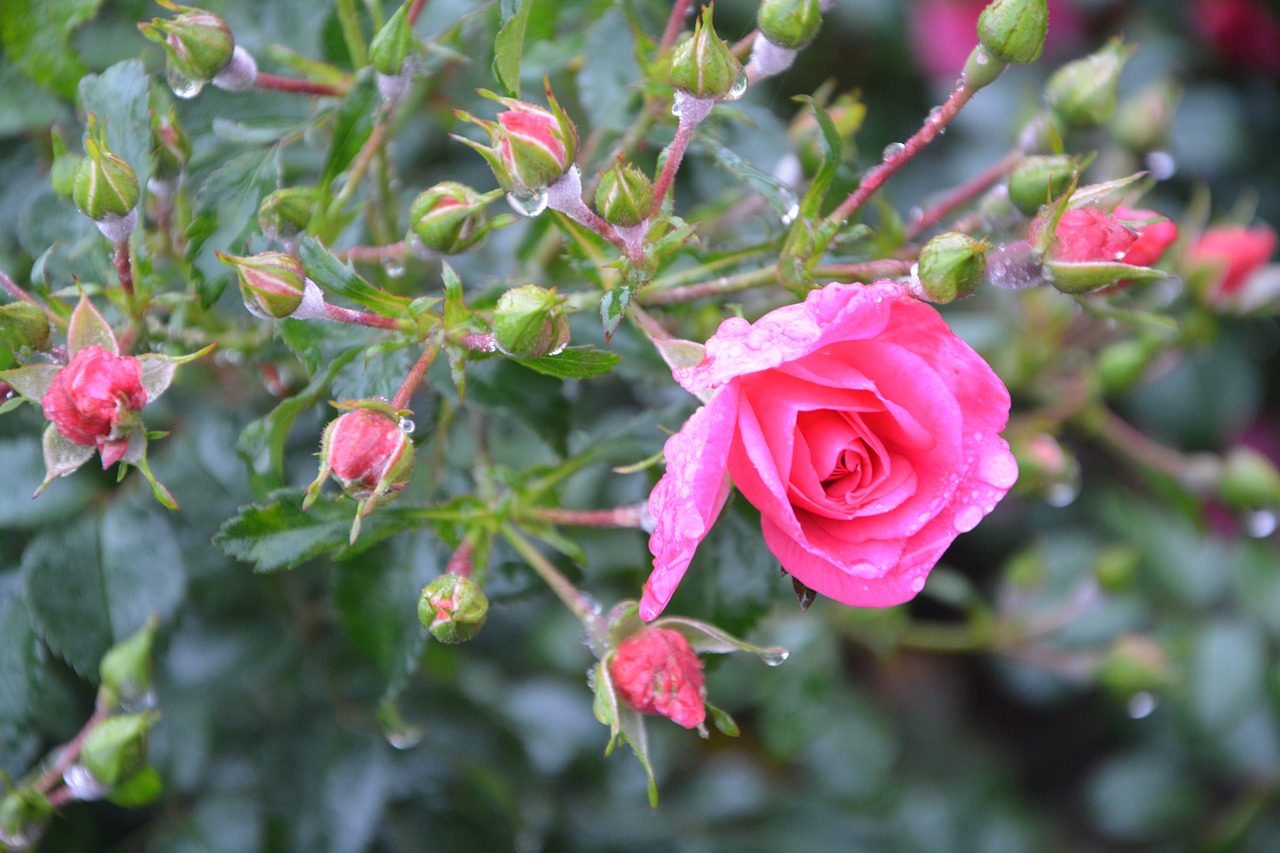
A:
(861, 427)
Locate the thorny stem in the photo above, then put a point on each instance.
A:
(675, 23)
(876, 178)
(339, 314)
(692, 112)
(622, 516)
(962, 195)
(866, 271)
(579, 605)
(275, 83)
(414, 379)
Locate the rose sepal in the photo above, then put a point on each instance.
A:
(1077, 277)
(88, 328)
(703, 637)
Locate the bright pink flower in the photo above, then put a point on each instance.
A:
(367, 452)
(1236, 251)
(861, 427)
(1088, 234)
(1155, 234)
(93, 399)
(1244, 33)
(656, 672)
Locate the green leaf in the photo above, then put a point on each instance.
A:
(279, 535)
(333, 275)
(94, 582)
(352, 127)
(613, 307)
(36, 36)
(508, 47)
(140, 789)
(778, 195)
(832, 153)
(19, 655)
(21, 461)
(573, 363)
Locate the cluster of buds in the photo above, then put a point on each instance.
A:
(105, 187)
(449, 218)
(199, 49)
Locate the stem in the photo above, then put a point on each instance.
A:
(962, 194)
(460, 563)
(715, 287)
(876, 178)
(622, 516)
(350, 23)
(579, 605)
(275, 83)
(692, 112)
(11, 287)
(358, 168)
(675, 23)
(414, 379)
(1123, 437)
(565, 196)
(339, 314)
(414, 11)
(124, 267)
(391, 251)
(868, 270)
(70, 753)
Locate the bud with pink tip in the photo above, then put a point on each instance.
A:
(530, 147)
(94, 401)
(656, 671)
(199, 44)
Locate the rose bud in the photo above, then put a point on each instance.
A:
(94, 401)
(1083, 93)
(170, 144)
(1142, 120)
(105, 188)
(950, 267)
(116, 748)
(1249, 481)
(393, 43)
(702, 64)
(1014, 30)
(1039, 179)
(453, 608)
(624, 196)
(529, 322)
(125, 669)
(23, 327)
(24, 812)
(655, 671)
(1232, 254)
(449, 218)
(805, 134)
(198, 44)
(789, 23)
(272, 284)
(1089, 234)
(530, 147)
(286, 213)
(1134, 663)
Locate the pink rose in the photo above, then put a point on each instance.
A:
(656, 671)
(368, 453)
(93, 399)
(861, 427)
(1235, 251)
(1156, 233)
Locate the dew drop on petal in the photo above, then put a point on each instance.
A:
(917, 584)
(968, 518)
(999, 470)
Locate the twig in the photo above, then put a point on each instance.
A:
(414, 379)
(275, 83)
(962, 195)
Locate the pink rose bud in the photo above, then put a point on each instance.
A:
(198, 44)
(1156, 233)
(1234, 253)
(656, 672)
(530, 147)
(93, 401)
(368, 454)
(1088, 234)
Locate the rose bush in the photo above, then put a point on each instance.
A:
(861, 427)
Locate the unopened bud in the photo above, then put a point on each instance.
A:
(1083, 93)
(1134, 663)
(789, 23)
(1142, 120)
(116, 748)
(1249, 480)
(529, 322)
(170, 143)
(624, 196)
(368, 452)
(286, 213)
(126, 668)
(449, 218)
(23, 326)
(1039, 179)
(105, 188)
(656, 671)
(199, 44)
(1014, 30)
(23, 815)
(982, 68)
(530, 147)
(702, 64)
(950, 266)
(1116, 568)
(391, 46)
(272, 284)
(453, 608)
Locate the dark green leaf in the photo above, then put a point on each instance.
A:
(508, 47)
(573, 363)
(613, 307)
(19, 655)
(333, 275)
(351, 127)
(36, 37)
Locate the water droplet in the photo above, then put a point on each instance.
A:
(404, 738)
(10, 394)
(182, 85)
(675, 109)
(739, 87)
(1259, 524)
(1161, 165)
(774, 657)
(1061, 494)
(393, 267)
(893, 149)
(528, 205)
(407, 426)
(917, 584)
(1141, 705)
(557, 350)
(82, 784)
(999, 470)
(792, 212)
(968, 518)
(980, 57)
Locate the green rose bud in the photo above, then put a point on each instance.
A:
(1117, 567)
(950, 266)
(1040, 179)
(453, 608)
(272, 283)
(624, 196)
(23, 815)
(702, 64)
(1134, 663)
(1014, 30)
(982, 68)
(449, 218)
(1083, 93)
(116, 748)
(23, 327)
(789, 23)
(104, 187)
(1142, 120)
(170, 143)
(286, 213)
(530, 322)
(391, 46)
(1249, 481)
(198, 44)
(126, 668)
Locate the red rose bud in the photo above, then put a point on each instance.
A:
(530, 147)
(1244, 33)
(529, 322)
(198, 44)
(655, 671)
(368, 454)
(170, 144)
(702, 64)
(1156, 233)
(624, 196)
(286, 213)
(104, 187)
(272, 284)
(449, 218)
(94, 401)
(1232, 254)
(1088, 234)
(453, 608)
(1014, 30)
(950, 267)
(1039, 179)
(1083, 93)
(789, 23)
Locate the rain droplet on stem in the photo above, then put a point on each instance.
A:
(182, 85)
(893, 149)
(675, 108)
(82, 784)
(739, 87)
(528, 205)
(393, 267)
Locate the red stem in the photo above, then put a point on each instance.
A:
(70, 753)
(622, 516)
(124, 267)
(679, 12)
(867, 271)
(684, 133)
(922, 137)
(274, 83)
(962, 194)
(414, 11)
(374, 253)
(414, 379)
(359, 318)
(460, 562)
